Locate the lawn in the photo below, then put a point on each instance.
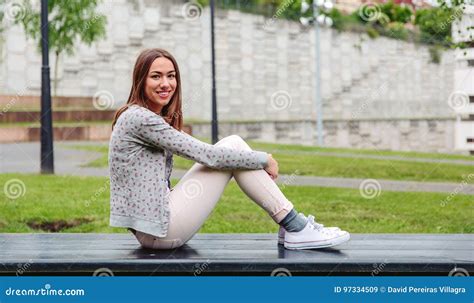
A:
(83, 202)
(297, 159)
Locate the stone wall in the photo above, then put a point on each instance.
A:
(433, 135)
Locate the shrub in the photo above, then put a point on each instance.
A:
(435, 24)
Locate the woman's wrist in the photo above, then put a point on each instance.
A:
(263, 159)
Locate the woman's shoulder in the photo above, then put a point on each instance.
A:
(137, 115)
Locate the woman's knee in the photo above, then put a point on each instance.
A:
(237, 142)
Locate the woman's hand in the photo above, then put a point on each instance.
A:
(272, 167)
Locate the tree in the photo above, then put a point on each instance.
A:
(70, 22)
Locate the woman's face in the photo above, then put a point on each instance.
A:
(160, 83)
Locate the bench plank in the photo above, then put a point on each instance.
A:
(234, 254)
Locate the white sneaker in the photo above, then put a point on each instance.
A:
(314, 235)
(282, 231)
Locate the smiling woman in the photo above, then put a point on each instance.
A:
(147, 132)
(156, 86)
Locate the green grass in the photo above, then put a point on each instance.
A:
(50, 198)
(294, 147)
(337, 166)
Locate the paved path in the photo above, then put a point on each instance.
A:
(24, 158)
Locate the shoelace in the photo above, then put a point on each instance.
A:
(314, 223)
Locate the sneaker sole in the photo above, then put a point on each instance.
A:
(318, 244)
(281, 240)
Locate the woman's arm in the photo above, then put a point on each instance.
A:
(154, 130)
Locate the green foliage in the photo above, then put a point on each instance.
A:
(431, 25)
(343, 21)
(435, 24)
(397, 30)
(382, 14)
(435, 54)
(372, 32)
(396, 13)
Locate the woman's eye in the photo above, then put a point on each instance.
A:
(171, 76)
(155, 77)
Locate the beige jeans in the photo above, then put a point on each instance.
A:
(196, 194)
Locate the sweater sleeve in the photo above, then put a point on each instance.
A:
(153, 130)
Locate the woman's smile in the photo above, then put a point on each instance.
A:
(164, 94)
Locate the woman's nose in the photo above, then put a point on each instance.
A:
(164, 82)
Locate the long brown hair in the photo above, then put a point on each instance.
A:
(172, 112)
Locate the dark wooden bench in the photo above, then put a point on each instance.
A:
(234, 254)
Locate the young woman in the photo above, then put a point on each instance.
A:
(147, 132)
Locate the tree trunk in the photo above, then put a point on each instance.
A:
(55, 81)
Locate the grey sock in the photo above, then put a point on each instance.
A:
(293, 222)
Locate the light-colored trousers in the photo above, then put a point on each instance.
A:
(196, 194)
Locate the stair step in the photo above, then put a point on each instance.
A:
(91, 132)
(64, 115)
(12, 102)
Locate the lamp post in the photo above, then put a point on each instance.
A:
(215, 134)
(47, 156)
(317, 19)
